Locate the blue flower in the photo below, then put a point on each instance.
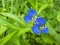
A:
(32, 12)
(30, 15)
(44, 30)
(27, 18)
(40, 21)
(35, 29)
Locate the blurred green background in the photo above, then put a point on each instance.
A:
(13, 29)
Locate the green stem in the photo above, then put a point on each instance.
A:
(3, 4)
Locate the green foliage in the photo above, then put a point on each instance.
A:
(58, 15)
(5, 39)
(2, 29)
(14, 30)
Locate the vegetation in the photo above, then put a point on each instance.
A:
(15, 31)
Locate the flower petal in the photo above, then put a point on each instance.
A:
(32, 12)
(40, 21)
(35, 29)
(30, 15)
(27, 18)
(44, 30)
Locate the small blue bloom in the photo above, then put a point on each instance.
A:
(32, 12)
(27, 18)
(35, 29)
(30, 15)
(40, 21)
(44, 30)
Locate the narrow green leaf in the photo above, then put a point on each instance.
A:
(58, 16)
(3, 21)
(53, 33)
(36, 7)
(13, 16)
(3, 4)
(47, 39)
(32, 3)
(5, 39)
(42, 8)
(57, 28)
(2, 29)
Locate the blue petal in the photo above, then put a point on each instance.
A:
(27, 19)
(44, 30)
(32, 12)
(30, 15)
(35, 29)
(40, 21)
